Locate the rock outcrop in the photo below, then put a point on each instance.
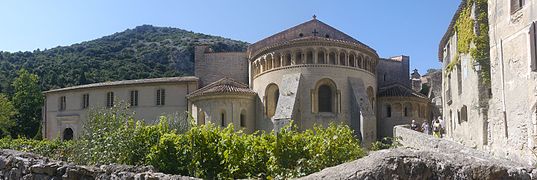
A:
(407, 163)
(425, 157)
(19, 165)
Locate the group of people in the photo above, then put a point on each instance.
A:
(437, 129)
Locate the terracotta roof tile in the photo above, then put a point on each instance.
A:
(130, 82)
(223, 86)
(398, 90)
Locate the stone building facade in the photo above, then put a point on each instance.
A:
(465, 95)
(398, 102)
(499, 117)
(512, 113)
(311, 73)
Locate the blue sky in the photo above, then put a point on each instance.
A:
(392, 27)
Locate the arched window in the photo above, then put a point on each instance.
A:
(287, 59)
(277, 60)
(243, 119)
(342, 59)
(388, 110)
(464, 113)
(272, 93)
(325, 98)
(263, 65)
(223, 119)
(269, 62)
(385, 77)
(332, 58)
(309, 57)
(407, 110)
(321, 58)
(68, 134)
(298, 56)
(360, 62)
(352, 60)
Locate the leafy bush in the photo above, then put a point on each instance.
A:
(54, 149)
(114, 136)
(205, 151)
(385, 143)
(210, 152)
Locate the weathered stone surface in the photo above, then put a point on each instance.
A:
(406, 163)
(426, 157)
(19, 165)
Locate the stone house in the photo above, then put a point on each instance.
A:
(492, 105)
(513, 63)
(311, 73)
(464, 91)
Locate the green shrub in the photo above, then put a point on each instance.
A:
(385, 143)
(212, 152)
(54, 149)
(204, 151)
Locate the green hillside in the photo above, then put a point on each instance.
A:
(143, 52)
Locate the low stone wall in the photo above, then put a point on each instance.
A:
(19, 165)
(425, 157)
(417, 140)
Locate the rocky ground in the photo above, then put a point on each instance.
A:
(19, 165)
(407, 163)
(425, 157)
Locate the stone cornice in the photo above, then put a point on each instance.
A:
(314, 65)
(323, 42)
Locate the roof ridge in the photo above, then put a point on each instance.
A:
(226, 81)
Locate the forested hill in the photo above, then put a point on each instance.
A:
(143, 52)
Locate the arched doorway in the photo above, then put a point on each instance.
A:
(67, 134)
(272, 93)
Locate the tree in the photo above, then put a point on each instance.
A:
(7, 113)
(28, 101)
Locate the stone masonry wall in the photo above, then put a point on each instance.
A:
(396, 70)
(211, 67)
(19, 165)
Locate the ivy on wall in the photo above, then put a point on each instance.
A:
(473, 37)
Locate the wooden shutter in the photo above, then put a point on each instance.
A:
(533, 47)
(515, 6)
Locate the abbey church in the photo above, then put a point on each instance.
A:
(311, 73)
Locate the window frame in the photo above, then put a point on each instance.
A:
(133, 98)
(63, 103)
(85, 101)
(161, 97)
(519, 4)
(110, 99)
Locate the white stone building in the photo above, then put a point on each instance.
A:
(311, 73)
(500, 117)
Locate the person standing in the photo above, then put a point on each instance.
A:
(414, 125)
(442, 126)
(436, 128)
(425, 128)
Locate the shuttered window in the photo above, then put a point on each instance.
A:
(533, 46)
(517, 5)
(63, 104)
(110, 99)
(161, 97)
(134, 98)
(85, 101)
